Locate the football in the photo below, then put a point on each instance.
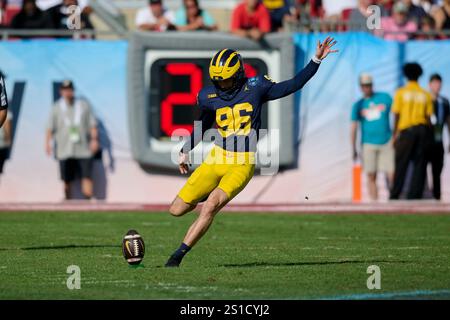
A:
(133, 247)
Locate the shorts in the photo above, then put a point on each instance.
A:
(218, 172)
(4, 153)
(70, 169)
(378, 158)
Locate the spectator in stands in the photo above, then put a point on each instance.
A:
(73, 126)
(47, 4)
(412, 108)
(191, 17)
(316, 9)
(2, 12)
(439, 120)
(333, 9)
(31, 17)
(427, 5)
(303, 10)
(280, 12)
(398, 27)
(155, 17)
(415, 13)
(372, 113)
(428, 29)
(61, 13)
(16, 3)
(250, 19)
(386, 5)
(357, 17)
(442, 16)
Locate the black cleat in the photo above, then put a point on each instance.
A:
(172, 262)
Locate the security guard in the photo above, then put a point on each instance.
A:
(413, 108)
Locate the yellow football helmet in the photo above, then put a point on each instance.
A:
(227, 64)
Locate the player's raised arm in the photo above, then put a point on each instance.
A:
(285, 88)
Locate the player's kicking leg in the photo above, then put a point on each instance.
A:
(216, 201)
(179, 208)
(200, 185)
(218, 183)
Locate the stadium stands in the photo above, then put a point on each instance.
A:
(116, 17)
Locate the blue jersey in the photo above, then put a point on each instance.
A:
(238, 117)
(373, 113)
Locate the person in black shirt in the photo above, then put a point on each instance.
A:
(31, 17)
(440, 118)
(415, 13)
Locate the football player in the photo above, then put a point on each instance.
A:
(234, 104)
(3, 100)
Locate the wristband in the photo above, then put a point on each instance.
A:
(316, 60)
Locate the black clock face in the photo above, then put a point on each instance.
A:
(174, 85)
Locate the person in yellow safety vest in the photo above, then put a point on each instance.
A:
(413, 135)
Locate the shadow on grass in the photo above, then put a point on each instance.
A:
(70, 246)
(306, 263)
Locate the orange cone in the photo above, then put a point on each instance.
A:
(357, 192)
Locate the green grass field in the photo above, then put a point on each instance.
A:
(243, 256)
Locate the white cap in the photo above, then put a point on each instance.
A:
(365, 78)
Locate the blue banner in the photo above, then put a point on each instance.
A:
(98, 68)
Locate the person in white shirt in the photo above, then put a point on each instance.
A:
(155, 17)
(333, 8)
(72, 128)
(47, 4)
